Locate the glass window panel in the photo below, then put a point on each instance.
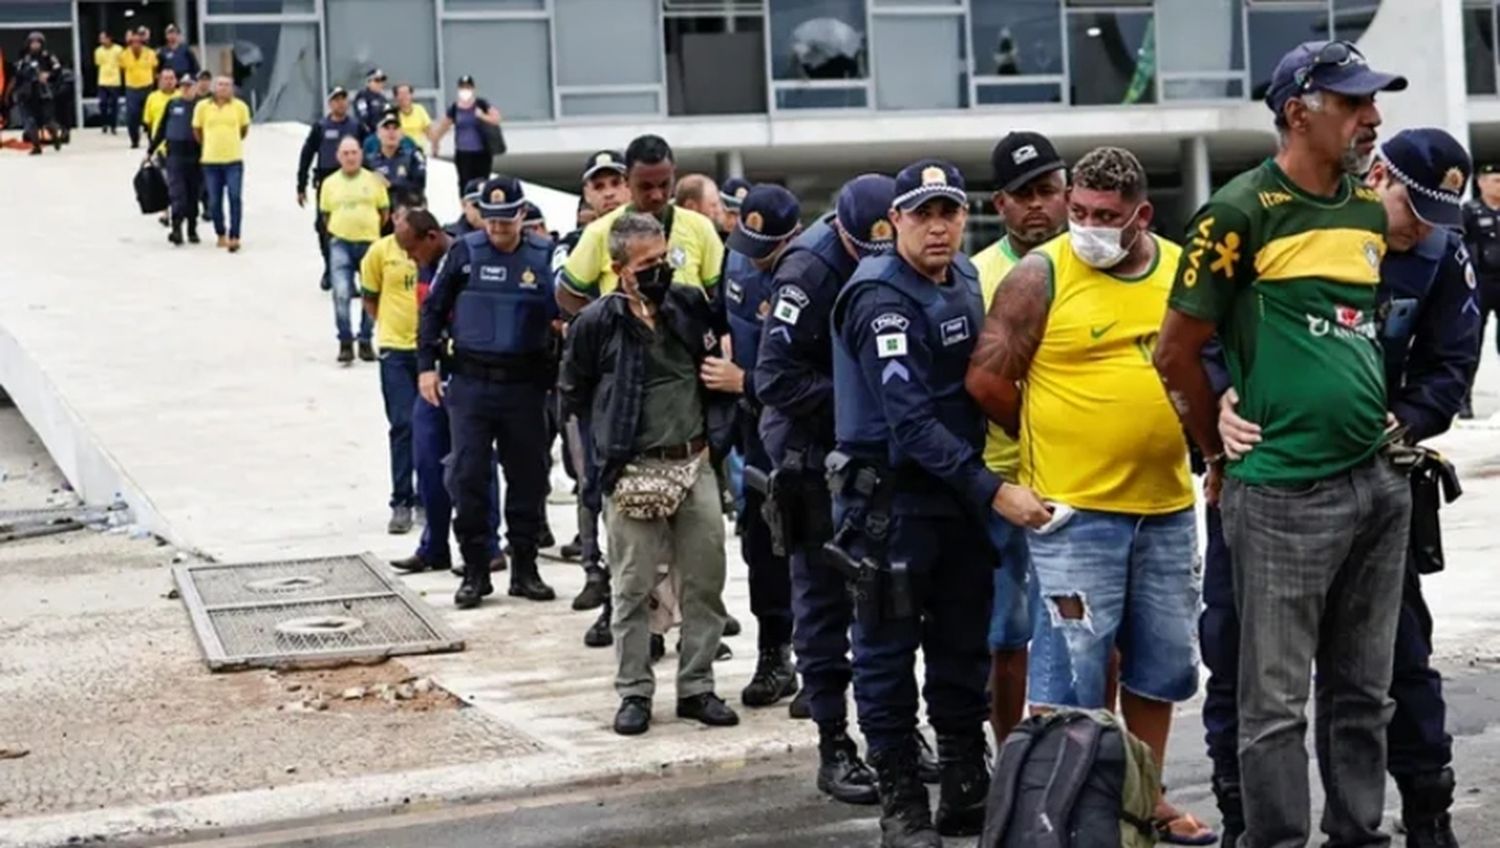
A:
(879, 4)
(712, 70)
(509, 60)
(261, 7)
(1202, 89)
(919, 62)
(274, 67)
(1352, 17)
(360, 33)
(42, 11)
(818, 39)
(1200, 35)
(822, 98)
(1275, 31)
(635, 103)
(1479, 50)
(1017, 37)
(495, 5)
(607, 42)
(1111, 58)
(998, 95)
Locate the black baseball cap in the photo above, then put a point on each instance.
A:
(1434, 167)
(769, 215)
(389, 119)
(1335, 66)
(501, 197)
(466, 81)
(923, 180)
(376, 74)
(1021, 157)
(335, 93)
(604, 160)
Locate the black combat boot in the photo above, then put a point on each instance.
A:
(774, 678)
(475, 587)
(599, 634)
(595, 589)
(192, 229)
(175, 236)
(1231, 809)
(965, 782)
(905, 819)
(842, 775)
(1425, 800)
(525, 582)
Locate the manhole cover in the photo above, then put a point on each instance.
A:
(306, 612)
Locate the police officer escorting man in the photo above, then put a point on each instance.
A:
(402, 166)
(794, 380)
(494, 293)
(320, 152)
(184, 175)
(1482, 234)
(912, 495)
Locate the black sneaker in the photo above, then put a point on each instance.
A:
(634, 716)
(572, 550)
(842, 775)
(366, 352)
(599, 634)
(773, 680)
(595, 590)
(346, 353)
(415, 564)
(709, 709)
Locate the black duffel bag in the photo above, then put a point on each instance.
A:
(151, 189)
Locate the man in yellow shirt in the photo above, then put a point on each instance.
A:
(415, 122)
(355, 205)
(107, 60)
(388, 281)
(1070, 335)
(694, 249)
(220, 125)
(138, 64)
(156, 101)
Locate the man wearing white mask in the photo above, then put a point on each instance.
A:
(1069, 336)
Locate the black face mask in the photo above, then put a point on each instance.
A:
(653, 282)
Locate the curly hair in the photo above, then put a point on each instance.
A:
(1111, 169)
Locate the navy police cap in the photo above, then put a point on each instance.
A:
(769, 215)
(501, 197)
(1434, 167)
(924, 180)
(604, 160)
(733, 192)
(863, 213)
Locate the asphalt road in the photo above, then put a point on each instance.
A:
(772, 805)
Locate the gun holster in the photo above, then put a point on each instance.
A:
(1433, 483)
(860, 545)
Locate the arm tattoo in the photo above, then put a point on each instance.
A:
(1016, 321)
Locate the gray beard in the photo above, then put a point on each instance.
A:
(1356, 164)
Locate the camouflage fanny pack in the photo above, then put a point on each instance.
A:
(649, 491)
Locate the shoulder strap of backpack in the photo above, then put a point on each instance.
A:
(1013, 753)
(1075, 760)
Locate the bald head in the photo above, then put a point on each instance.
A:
(700, 193)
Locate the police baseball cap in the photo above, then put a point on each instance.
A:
(733, 193)
(769, 215)
(466, 81)
(1335, 66)
(376, 74)
(863, 212)
(1434, 167)
(471, 190)
(922, 181)
(1487, 168)
(390, 119)
(534, 214)
(171, 28)
(501, 197)
(604, 160)
(1021, 157)
(335, 93)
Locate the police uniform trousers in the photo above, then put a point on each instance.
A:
(431, 447)
(821, 616)
(770, 575)
(184, 186)
(951, 590)
(504, 420)
(1417, 742)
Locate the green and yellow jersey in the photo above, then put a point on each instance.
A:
(693, 248)
(1001, 453)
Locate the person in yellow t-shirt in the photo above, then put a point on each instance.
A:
(220, 124)
(388, 281)
(1071, 335)
(138, 65)
(355, 204)
(107, 60)
(156, 101)
(415, 122)
(693, 246)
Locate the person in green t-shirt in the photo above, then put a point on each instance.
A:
(1282, 264)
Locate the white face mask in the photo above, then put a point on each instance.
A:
(1100, 247)
(466, 96)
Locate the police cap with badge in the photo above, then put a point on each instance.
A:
(501, 197)
(863, 213)
(926, 180)
(1434, 167)
(733, 193)
(769, 216)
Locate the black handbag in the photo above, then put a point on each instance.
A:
(151, 189)
(494, 138)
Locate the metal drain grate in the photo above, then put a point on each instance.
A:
(306, 612)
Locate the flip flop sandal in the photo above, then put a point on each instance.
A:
(1166, 836)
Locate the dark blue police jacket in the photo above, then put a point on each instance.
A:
(508, 304)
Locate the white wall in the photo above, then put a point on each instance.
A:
(1423, 41)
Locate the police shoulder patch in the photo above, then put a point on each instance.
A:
(787, 311)
(795, 294)
(888, 345)
(889, 321)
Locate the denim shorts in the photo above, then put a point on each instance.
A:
(1140, 582)
(1015, 590)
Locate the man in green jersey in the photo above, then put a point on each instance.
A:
(1283, 263)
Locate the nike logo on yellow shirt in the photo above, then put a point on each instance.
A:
(1100, 331)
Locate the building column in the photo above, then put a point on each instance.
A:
(731, 164)
(1197, 183)
(1424, 42)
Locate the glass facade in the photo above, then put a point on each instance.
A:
(1479, 48)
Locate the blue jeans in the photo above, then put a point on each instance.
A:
(431, 445)
(109, 106)
(343, 263)
(219, 179)
(1015, 592)
(398, 385)
(1136, 579)
(135, 103)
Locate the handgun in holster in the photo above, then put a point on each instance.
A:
(882, 589)
(1433, 483)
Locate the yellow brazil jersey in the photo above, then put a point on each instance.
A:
(1001, 453)
(693, 248)
(353, 205)
(1097, 431)
(107, 60)
(140, 70)
(222, 128)
(414, 124)
(388, 273)
(155, 109)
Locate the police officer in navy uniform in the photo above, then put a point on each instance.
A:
(370, 103)
(177, 55)
(732, 194)
(494, 295)
(912, 494)
(184, 175)
(794, 380)
(404, 167)
(320, 154)
(469, 221)
(1482, 235)
(1428, 323)
(770, 218)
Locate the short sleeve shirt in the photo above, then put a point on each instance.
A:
(1290, 279)
(414, 124)
(107, 60)
(388, 273)
(140, 71)
(1002, 454)
(693, 248)
(353, 205)
(222, 128)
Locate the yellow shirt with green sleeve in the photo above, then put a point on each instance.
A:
(389, 274)
(693, 248)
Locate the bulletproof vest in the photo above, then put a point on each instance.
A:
(396, 169)
(507, 306)
(1485, 236)
(952, 315)
(331, 133)
(179, 120)
(746, 290)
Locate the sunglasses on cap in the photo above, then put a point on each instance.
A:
(1334, 54)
